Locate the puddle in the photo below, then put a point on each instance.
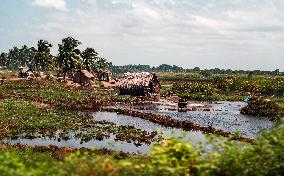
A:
(222, 115)
(195, 137)
(108, 143)
(118, 119)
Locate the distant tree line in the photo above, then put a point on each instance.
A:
(174, 68)
(146, 68)
(40, 59)
(69, 58)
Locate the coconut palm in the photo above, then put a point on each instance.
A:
(89, 56)
(25, 55)
(69, 55)
(42, 59)
(3, 59)
(101, 65)
(14, 57)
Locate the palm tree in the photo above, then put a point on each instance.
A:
(3, 59)
(69, 55)
(13, 59)
(25, 55)
(18, 57)
(89, 56)
(101, 65)
(42, 59)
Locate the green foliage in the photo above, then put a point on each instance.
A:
(69, 55)
(229, 87)
(16, 57)
(46, 90)
(89, 56)
(205, 73)
(101, 65)
(258, 106)
(173, 157)
(42, 60)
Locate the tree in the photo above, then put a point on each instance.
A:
(196, 69)
(89, 56)
(13, 59)
(101, 65)
(176, 68)
(18, 57)
(69, 55)
(3, 59)
(165, 67)
(42, 59)
(276, 72)
(25, 56)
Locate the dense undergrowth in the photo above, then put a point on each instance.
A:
(172, 157)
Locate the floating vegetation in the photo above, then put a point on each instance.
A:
(259, 106)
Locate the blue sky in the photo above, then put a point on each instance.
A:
(236, 34)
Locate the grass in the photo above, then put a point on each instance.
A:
(55, 94)
(48, 90)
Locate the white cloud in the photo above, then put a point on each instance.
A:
(57, 4)
(238, 35)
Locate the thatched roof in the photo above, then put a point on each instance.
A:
(86, 73)
(136, 79)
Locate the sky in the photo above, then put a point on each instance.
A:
(227, 34)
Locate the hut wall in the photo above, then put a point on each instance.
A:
(81, 78)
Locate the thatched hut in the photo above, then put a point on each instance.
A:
(83, 77)
(140, 84)
(25, 72)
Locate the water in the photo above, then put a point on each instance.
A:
(108, 143)
(222, 115)
(118, 119)
(195, 137)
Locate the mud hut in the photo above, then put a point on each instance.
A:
(83, 77)
(25, 72)
(140, 84)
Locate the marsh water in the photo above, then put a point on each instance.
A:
(220, 115)
(110, 142)
(223, 115)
